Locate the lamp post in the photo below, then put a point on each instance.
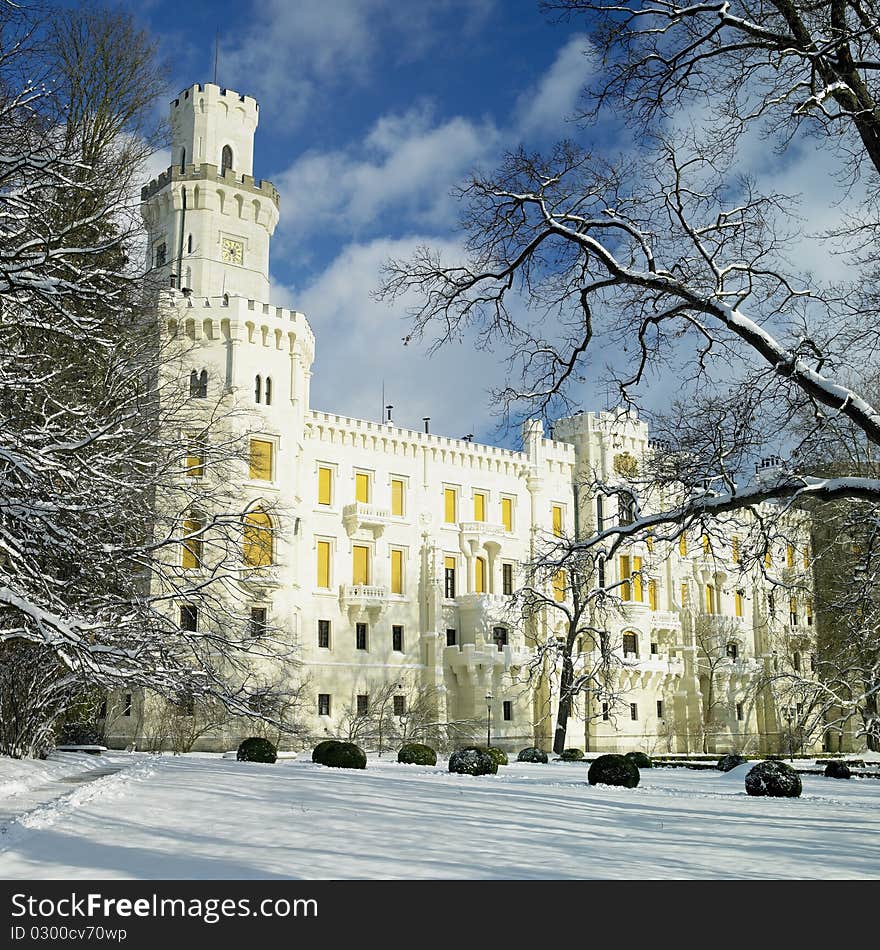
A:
(488, 720)
(789, 718)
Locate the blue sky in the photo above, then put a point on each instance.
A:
(370, 112)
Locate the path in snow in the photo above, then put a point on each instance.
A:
(206, 817)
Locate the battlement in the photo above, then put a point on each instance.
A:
(210, 173)
(616, 422)
(260, 322)
(213, 93)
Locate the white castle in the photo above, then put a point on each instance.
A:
(389, 557)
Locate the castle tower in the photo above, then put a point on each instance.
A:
(209, 220)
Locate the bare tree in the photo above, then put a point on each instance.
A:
(683, 268)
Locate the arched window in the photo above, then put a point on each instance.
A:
(183, 159)
(499, 636)
(225, 300)
(268, 391)
(189, 244)
(631, 643)
(194, 383)
(225, 159)
(203, 384)
(732, 650)
(258, 388)
(257, 547)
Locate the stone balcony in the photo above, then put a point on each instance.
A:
(474, 535)
(260, 576)
(358, 599)
(664, 620)
(480, 661)
(360, 516)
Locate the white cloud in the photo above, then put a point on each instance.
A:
(552, 100)
(360, 344)
(405, 166)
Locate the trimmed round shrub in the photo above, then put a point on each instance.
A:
(730, 761)
(344, 755)
(531, 754)
(499, 755)
(414, 753)
(834, 768)
(773, 779)
(571, 755)
(472, 760)
(321, 748)
(256, 749)
(614, 770)
(641, 760)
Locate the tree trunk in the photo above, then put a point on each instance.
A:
(565, 699)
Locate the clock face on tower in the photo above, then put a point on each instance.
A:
(232, 252)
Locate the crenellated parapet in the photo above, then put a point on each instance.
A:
(209, 173)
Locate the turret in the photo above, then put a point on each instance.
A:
(209, 220)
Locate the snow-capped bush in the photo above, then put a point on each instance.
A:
(499, 755)
(414, 753)
(614, 770)
(571, 755)
(256, 749)
(472, 760)
(343, 755)
(730, 761)
(774, 779)
(531, 754)
(834, 768)
(640, 759)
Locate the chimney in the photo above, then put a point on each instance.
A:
(388, 410)
(427, 421)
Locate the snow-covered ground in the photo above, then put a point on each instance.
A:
(202, 816)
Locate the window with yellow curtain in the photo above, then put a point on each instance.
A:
(507, 513)
(324, 564)
(360, 564)
(652, 594)
(734, 549)
(325, 485)
(649, 542)
(479, 506)
(683, 546)
(707, 544)
(638, 588)
(480, 576)
(625, 574)
(362, 487)
(192, 546)
(685, 596)
(257, 547)
(195, 460)
(789, 556)
(450, 506)
(710, 599)
(397, 497)
(559, 586)
(738, 603)
(261, 460)
(768, 558)
(396, 572)
(557, 520)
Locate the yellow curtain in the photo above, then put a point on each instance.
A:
(360, 564)
(261, 460)
(362, 488)
(324, 564)
(652, 594)
(507, 513)
(638, 590)
(449, 501)
(325, 486)
(397, 497)
(192, 547)
(559, 586)
(557, 521)
(397, 572)
(257, 548)
(480, 576)
(625, 574)
(479, 507)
